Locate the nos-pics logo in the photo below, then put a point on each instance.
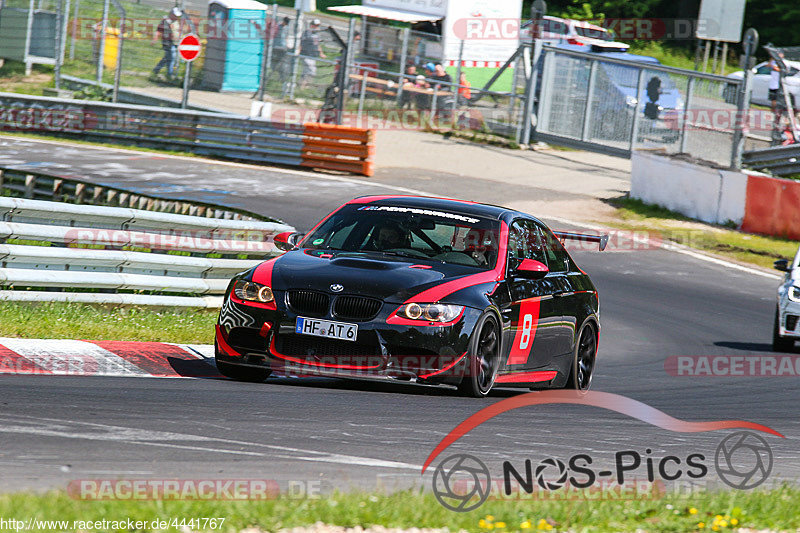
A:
(462, 482)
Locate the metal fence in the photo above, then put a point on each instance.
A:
(61, 252)
(620, 105)
(583, 100)
(212, 134)
(42, 186)
(290, 142)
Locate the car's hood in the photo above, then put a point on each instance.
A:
(394, 279)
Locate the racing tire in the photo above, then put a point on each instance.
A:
(583, 359)
(779, 343)
(242, 373)
(483, 359)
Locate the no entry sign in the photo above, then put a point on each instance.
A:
(189, 47)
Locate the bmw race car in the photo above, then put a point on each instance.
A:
(787, 316)
(429, 290)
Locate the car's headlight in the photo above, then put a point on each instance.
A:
(431, 312)
(794, 293)
(252, 292)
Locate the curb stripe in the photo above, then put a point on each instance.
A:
(103, 358)
(72, 357)
(13, 363)
(160, 359)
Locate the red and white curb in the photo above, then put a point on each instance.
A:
(64, 357)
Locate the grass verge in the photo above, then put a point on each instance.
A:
(759, 250)
(56, 320)
(712, 511)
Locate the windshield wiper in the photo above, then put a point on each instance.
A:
(408, 255)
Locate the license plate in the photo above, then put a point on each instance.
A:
(326, 328)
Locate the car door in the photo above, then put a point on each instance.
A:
(565, 295)
(761, 84)
(533, 312)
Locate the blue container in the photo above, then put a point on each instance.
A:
(235, 45)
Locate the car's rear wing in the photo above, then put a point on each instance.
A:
(600, 239)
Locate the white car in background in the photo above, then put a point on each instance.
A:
(556, 30)
(762, 73)
(787, 316)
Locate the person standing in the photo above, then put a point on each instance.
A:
(169, 31)
(277, 34)
(774, 84)
(464, 90)
(776, 92)
(310, 49)
(280, 49)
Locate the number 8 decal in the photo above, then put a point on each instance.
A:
(526, 331)
(527, 326)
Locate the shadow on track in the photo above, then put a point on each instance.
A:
(746, 346)
(383, 387)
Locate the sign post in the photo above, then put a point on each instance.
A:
(743, 99)
(538, 10)
(719, 21)
(189, 48)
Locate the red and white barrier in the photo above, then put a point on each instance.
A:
(64, 357)
(754, 202)
(772, 207)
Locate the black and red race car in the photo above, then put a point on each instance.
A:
(429, 290)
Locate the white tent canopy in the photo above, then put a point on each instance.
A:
(411, 17)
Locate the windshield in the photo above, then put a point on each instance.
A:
(414, 233)
(594, 33)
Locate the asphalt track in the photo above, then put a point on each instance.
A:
(297, 197)
(326, 433)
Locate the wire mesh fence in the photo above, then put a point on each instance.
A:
(268, 55)
(386, 79)
(625, 105)
(381, 99)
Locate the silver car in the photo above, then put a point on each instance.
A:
(761, 76)
(787, 315)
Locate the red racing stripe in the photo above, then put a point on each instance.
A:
(13, 363)
(263, 272)
(437, 293)
(370, 199)
(160, 359)
(527, 377)
(523, 339)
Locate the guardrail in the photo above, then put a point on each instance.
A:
(43, 186)
(779, 161)
(211, 134)
(63, 252)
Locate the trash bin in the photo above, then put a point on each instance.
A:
(111, 50)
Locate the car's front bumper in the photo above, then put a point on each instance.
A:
(789, 318)
(255, 336)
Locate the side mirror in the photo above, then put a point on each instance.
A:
(287, 241)
(782, 265)
(531, 269)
